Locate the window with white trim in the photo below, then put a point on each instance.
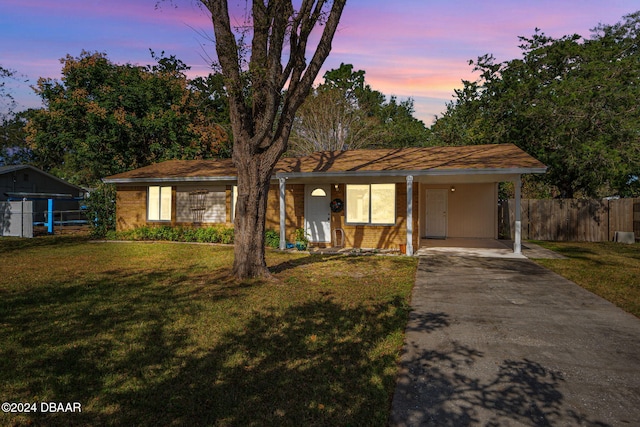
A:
(159, 203)
(371, 204)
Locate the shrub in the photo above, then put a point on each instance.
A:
(101, 210)
(214, 234)
(272, 239)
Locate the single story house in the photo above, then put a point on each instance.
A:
(380, 198)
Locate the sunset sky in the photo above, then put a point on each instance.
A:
(408, 48)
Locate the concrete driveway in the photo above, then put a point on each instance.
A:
(505, 342)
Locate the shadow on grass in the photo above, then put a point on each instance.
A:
(129, 348)
(370, 259)
(299, 262)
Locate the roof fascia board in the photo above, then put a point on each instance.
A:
(427, 172)
(169, 179)
(311, 175)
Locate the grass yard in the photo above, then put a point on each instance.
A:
(610, 270)
(157, 334)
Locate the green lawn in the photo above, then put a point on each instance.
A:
(158, 334)
(611, 270)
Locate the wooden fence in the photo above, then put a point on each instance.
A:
(571, 219)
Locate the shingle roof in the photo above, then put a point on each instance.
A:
(474, 157)
(495, 157)
(180, 169)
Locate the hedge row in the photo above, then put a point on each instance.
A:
(214, 234)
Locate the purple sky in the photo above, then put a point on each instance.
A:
(408, 48)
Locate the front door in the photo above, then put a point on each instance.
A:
(317, 213)
(436, 212)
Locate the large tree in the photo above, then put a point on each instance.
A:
(571, 102)
(345, 113)
(263, 99)
(103, 118)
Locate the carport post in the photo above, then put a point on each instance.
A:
(517, 246)
(283, 215)
(409, 215)
(50, 216)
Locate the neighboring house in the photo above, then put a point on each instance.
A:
(18, 182)
(380, 198)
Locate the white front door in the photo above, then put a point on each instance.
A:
(436, 212)
(317, 213)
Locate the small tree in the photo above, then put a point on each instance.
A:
(345, 113)
(328, 122)
(101, 210)
(262, 111)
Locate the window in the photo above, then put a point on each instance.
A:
(159, 203)
(318, 192)
(202, 204)
(371, 204)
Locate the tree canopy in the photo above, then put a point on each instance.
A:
(103, 118)
(11, 123)
(571, 102)
(345, 113)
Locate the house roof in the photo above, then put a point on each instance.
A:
(474, 159)
(16, 168)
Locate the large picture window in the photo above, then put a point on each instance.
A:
(371, 204)
(159, 203)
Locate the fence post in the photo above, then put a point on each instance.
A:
(50, 216)
(22, 213)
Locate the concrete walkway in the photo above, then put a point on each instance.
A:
(504, 342)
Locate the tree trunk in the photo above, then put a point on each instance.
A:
(250, 216)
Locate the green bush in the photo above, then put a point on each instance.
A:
(101, 210)
(272, 239)
(214, 234)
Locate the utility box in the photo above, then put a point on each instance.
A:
(624, 237)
